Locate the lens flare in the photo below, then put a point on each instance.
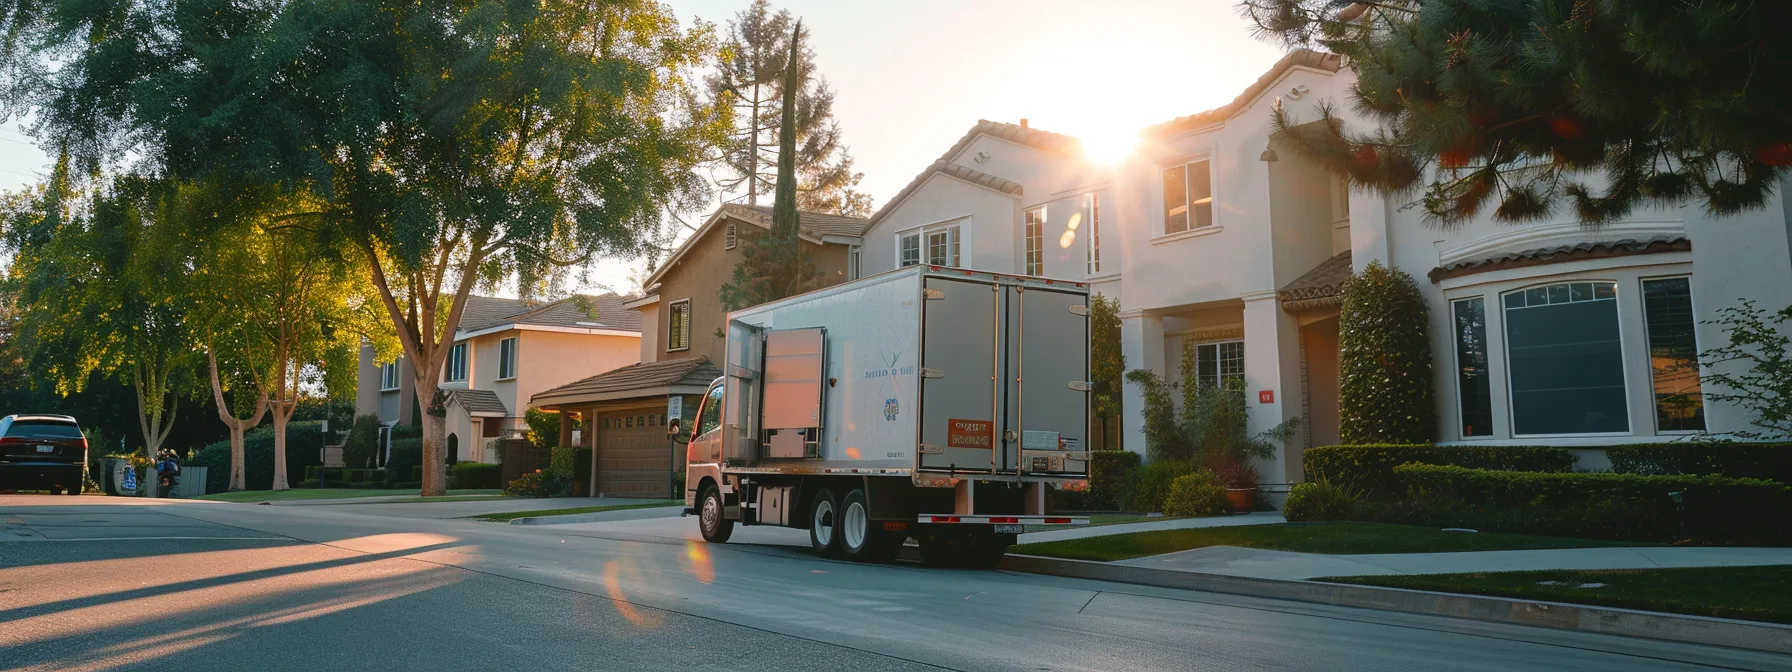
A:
(613, 587)
(1066, 239)
(1076, 218)
(852, 452)
(698, 553)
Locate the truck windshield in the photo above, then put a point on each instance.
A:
(43, 429)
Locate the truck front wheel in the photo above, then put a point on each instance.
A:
(715, 527)
(862, 539)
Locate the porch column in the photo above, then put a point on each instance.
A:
(1272, 372)
(565, 427)
(1142, 343)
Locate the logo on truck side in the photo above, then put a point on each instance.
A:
(891, 409)
(970, 433)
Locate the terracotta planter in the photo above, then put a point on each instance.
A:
(1240, 498)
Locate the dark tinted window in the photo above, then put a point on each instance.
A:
(44, 429)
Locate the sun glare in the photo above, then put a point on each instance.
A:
(1109, 146)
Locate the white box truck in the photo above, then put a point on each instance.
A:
(928, 402)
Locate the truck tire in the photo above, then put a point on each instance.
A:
(861, 538)
(824, 523)
(715, 527)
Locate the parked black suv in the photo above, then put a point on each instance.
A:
(42, 452)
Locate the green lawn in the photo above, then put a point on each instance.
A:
(500, 517)
(344, 493)
(1751, 593)
(1334, 538)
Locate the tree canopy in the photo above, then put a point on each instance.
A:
(752, 73)
(774, 265)
(1519, 105)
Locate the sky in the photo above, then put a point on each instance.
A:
(911, 76)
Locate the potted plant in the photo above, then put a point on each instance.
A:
(1240, 481)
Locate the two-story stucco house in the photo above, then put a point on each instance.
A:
(504, 353)
(625, 409)
(1218, 236)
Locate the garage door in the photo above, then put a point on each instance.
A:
(634, 458)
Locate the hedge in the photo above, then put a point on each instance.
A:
(1384, 359)
(302, 441)
(1772, 461)
(1369, 469)
(1712, 509)
(478, 475)
(407, 454)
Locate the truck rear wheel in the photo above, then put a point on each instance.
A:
(824, 523)
(862, 539)
(715, 526)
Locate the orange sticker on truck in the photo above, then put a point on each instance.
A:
(970, 433)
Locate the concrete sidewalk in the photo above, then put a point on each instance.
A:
(1286, 565)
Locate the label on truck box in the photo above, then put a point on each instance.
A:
(970, 433)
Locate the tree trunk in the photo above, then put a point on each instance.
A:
(238, 426)
(435, 459)
(280, 448)
(238, 482)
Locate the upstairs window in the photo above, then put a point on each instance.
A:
(942, 247)
(457, 363)
(852, 262)
(1188, 197)
(908, 250)
(1035, 237)
(678, 326)
(507, 358)
(389, 376)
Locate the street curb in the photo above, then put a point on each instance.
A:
(1769, 637)
(598, 517)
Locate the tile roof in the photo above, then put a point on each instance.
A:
(647, 377)
(813, 223)
(603, 311)
(1550, 255)
(1318, 288)
(478, 401)
(1031, 137)
(1297, 58)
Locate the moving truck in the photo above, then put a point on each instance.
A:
(928, 402)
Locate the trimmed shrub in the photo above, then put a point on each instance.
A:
(302, 440)
(1384, 360)
(1108, 470)
(1196, 494)
(532, 484)
(406, 459)
(1772, 461)
(1146, 488)
(362, 446)
(1369, 469)
(1320, 500)
(1705, 509)
(478, 475)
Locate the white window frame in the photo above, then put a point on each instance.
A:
(457, 364)
(852, 261)
(1216, 345)
(1643, 310)
(1456, 357)
(1188, 206)
(1033, 233)
(901, 239)
(1092, 204)
(953, 253)
(389, 376)
(684, 334)
(507, 359)
(1624, 339)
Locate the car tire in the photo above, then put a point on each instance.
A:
(711, 518)
(824, 523)
(861, 538)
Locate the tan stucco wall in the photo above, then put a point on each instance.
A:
(699, 276)
(650, 332)
(546, 360)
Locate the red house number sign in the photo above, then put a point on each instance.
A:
(1266, 396)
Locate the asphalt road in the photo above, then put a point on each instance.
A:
(93, 583)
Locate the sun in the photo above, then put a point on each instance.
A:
(1109, 144)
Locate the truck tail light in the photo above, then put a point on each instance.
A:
(944, 519)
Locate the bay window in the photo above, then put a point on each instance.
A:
(1565, 361)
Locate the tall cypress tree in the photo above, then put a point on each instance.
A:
(1509, 104)
(773, 265)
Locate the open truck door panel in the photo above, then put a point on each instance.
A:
(935, 403)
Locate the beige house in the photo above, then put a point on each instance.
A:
(505, 352)
(626, 409)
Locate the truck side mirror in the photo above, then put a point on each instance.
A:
(674, 428)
